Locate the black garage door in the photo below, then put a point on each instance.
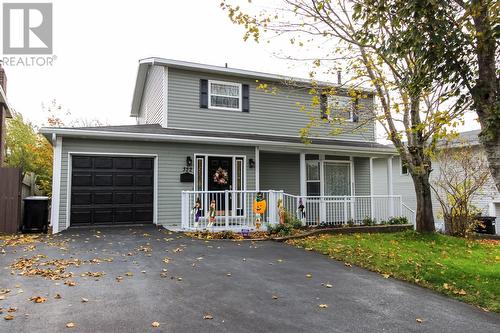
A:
(111, 190)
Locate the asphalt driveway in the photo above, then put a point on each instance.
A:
(136, 276)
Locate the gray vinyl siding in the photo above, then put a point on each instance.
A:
(361, 176)
(171, 160)
(269, 113)
(152, 103)
(280, 172)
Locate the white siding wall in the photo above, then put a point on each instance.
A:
(152, 110)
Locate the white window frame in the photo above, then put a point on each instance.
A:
(331, 101)
(240, 88)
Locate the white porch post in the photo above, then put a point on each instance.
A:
(371, 188)
(257, 168)
(303, 185)
(56, 183)
(390, 189)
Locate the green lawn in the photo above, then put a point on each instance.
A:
(465, 269)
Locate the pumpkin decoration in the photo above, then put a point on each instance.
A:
(259, 208)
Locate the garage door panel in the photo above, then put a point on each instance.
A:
(103, 198)
(81, 179)
(103, 163)
(103, 180)
(143, 180)
(81, 216)
(112, 190)
(123, 163)
(124, 180)
(83, 198)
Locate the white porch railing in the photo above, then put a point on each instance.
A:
(234, 209)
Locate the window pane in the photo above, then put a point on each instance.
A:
(313, 188)
(224, 89)
(225, 102)
(313, 170)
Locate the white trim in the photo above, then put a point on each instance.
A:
(390, 188)
(56, 183)
(155, 179)
(227, 83)
(372, 189)
(165, 97)
(303, 174)
(206, 156)
(227, 141)
(257, 168)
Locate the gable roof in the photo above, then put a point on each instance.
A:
(156, 132)
(145, 63)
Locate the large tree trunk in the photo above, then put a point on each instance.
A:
(425, 218)
(485, 92)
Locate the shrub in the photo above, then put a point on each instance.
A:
(368, 221)
(397, 220)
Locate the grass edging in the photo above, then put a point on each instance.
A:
(349, 230)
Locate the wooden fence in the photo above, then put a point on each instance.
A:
(10, 200)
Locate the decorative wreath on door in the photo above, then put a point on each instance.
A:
(220, 176)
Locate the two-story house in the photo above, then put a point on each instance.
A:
(208, 135)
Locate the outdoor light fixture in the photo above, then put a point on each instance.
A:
(251, 163)
(189, 161)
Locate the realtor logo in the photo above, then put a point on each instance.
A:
(27, 28)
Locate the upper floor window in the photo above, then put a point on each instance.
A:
(224, 95)
(404, 167)
(344, 106)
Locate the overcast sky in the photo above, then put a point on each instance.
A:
(98, 45)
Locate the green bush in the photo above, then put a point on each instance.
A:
(368, 221)
(398, 220)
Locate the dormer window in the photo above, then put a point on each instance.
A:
(224, 95)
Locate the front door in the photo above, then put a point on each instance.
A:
(337, 182)
(220, 178)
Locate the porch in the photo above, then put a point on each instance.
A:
(237, 210)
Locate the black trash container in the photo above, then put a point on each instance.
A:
(488, 225)
(36, 214)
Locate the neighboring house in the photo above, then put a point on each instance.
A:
(487, 199)
(207, 133)
(5, 112)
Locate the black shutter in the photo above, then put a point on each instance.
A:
(203, 93)
(245, 93)
(355, 110)
(323, 103)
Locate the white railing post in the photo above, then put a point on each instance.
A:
(345, 210)
(184, 219)
(226, 206)
(272, 208)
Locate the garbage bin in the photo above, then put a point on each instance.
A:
(488, 225)
(36, 214)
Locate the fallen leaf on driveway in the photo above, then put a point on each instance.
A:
(2, 297)
(57, 296)
(129, 274)
(308, 248)
(155, 324)
(323, 306)
(327, 285)
(347, 264)
(84, 300)
(386, 276)
(228, 274)
(419, 320)
(309, 275)
(8, 317)
(275, 297)
(70, 325)
(38, 299)
(70, 283)
(208, 317)
(119, 278)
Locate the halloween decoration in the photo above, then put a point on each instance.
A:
(281, 210)
(301, 211)
(259, 208)
(197, 212)
(212, 214)
(220, 176)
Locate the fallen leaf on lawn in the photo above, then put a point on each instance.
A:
(323, 306)
(155, 324)
(446, 286)
(419, 320)
(309, 275)
(208, 317)
(84, 300)
(38, 299)
(70, 325)
(8, 317)
(462, 292)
